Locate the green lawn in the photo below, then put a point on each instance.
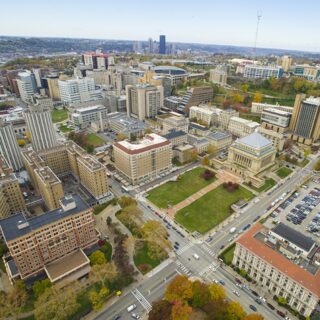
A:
(64, 129)
(251, 117)
(95, 140)
(283, 172)
(174, 192)
(142, 260)
(267, 185)
(59, 115)
(227, 254)
(211, 209)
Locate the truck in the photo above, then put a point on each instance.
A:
(232, 230)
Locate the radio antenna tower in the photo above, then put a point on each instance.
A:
(259, 16)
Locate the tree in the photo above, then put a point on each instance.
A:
(21, 143)
(120, 137)
(90, 148)
(126, 201)
(18, 296)
(179, 289)
(237, 98)
(216, 292)
(154, 232)
(97, 298)
(200, 294)
(156, 252)
(97, 257)
(160, 310)
(28, 136)
(102, 273)
(205, 161)
(245, 87)
(180, 311)
(109, 221)
(257, 97)
(39, 287)
(194, 154)
(235, 311)
(282, 301)
(307, 152)
(148, 131)
(56, 303)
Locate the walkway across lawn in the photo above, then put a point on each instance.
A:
(174, 192)
(211, 209)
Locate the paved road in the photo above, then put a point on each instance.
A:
(207, 266)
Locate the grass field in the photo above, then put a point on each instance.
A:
(211, 209)
(142, 260)
(174, 192)
(283, 172)
(95, 140)
(227, 254)
(59, 115)
(267, 185)
(64, 129)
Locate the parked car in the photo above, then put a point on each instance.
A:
(253, 308)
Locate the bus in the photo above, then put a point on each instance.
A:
(124, 189)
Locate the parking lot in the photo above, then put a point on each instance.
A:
(301, 211)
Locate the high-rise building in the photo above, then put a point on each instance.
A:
(8, 145)
(195, 96)
(40, 126)
(305, 120)
(27, 85)
(144, 100)
(11, 198)
(52, 242)
(96, 60)
(78, 90)
(150, 46)
(262, 72)
(218, 76)
(286, 62)
(53, 87)
(144, 159)
(162, 44)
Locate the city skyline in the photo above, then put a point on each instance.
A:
(140, 21)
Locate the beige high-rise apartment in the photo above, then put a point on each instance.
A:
(11, 198)
(305, 120)
(52, 242)
(144, 159)
(144, 100)
(286, 62)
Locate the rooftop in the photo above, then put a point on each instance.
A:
(19, 225)
(197, 126)
(254, 140)
(277, 111)
(174, 134)
(219, 135)
(293, 236)
(148, 142)
(313, 100)
(277, 260)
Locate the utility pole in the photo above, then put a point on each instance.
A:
(259, 16)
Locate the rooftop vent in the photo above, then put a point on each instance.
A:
(22, 224)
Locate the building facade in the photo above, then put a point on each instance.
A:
(143, 160)
(8, 145)
(35, 244)
(218, 76)
(162, 44)
(256, 252)
(262, 72)
(173, 121)
(203, 114)
(27, 85)
(40, 126)
(275, 117)
(241, 127)
(258, 107)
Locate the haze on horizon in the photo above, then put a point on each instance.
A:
(284, 24)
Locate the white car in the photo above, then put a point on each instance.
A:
(236, 293)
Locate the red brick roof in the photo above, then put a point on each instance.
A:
(278, 261)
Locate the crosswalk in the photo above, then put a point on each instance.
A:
(143, 301)
(208, 269)
(184, 248)
(205, 247)
(183, 268)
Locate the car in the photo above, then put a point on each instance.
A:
(116, 317)
(258, 301)
(222, 282)
(236, 293)
(253, 308)
(135, 316)
(270, 306)
(131, 308)
(238, 281)
(195, 256)
(222, 246)
(177, 243)
(176, 247)
(254, 293)
(280, 313)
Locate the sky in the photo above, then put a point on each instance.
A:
(285, 24)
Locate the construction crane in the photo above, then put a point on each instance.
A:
(259, 16)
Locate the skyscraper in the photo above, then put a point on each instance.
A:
(162, 47)
(40, 126)
(8, 145)
(27, 85)
(150, 46)
(305, 120)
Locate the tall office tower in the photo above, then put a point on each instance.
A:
(286, 62)
(50, 243)
(162, 46)
(40, 126)
(143, 100)
(11, 198)
(27, 85)
(78, 90)
(305, 120)
(51, 82)
(8, 145)
(150, 46)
